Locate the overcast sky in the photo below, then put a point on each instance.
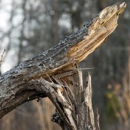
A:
(5, 8)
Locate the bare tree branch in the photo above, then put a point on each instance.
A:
(1, 57)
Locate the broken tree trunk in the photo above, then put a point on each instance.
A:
(73, 110)
(30, 79)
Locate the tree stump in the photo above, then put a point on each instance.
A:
(55, 74)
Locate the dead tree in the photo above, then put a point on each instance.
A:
(55, 74)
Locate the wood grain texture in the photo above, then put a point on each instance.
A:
(17, 86)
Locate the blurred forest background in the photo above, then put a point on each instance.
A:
(29, 27)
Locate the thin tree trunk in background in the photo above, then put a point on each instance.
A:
(22, 31)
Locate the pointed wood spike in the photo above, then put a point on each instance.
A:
(98, 30)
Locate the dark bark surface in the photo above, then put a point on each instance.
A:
(17, 85)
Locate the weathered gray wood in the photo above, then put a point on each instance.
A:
(16, 86)
(74, 112)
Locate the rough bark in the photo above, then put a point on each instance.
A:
(18, 85)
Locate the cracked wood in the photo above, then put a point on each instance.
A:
(16, 86)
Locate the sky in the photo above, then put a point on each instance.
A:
(5, 8)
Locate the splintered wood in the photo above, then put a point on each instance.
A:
(51, 74)
(98, 30)
(73, 110)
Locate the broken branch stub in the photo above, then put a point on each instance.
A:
(70, 114)
(98, 30)
(57, 60)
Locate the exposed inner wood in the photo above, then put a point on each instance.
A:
(57, 60)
